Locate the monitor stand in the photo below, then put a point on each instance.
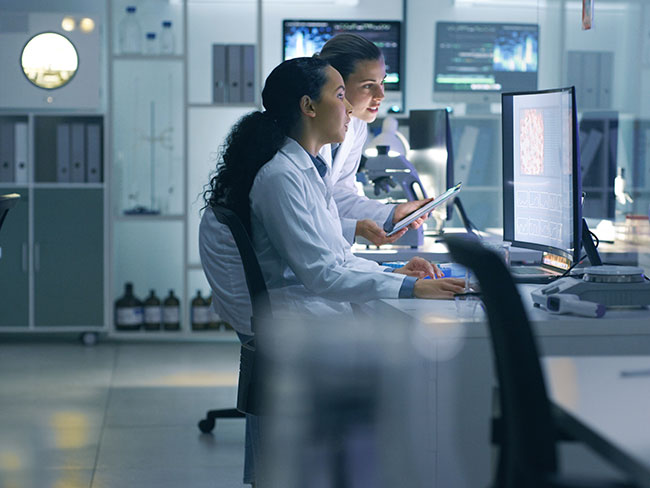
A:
(589, 246)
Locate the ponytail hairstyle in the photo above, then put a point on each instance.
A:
(258, 136)
(344, 51)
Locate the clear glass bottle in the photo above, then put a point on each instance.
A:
(151, 44)
(128, 310)
(214, 321)
(152, 312)
(171, 312)
(200, 312)
(129, 33)
(167, 40)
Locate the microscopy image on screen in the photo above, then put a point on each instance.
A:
(531, 142)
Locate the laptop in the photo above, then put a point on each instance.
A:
(551, 268)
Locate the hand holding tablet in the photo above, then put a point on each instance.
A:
(424, 209)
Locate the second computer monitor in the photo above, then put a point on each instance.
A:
(541, 172)
(432, 151)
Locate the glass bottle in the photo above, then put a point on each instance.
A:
(171, 312)
(214, 321)
(129, 33)
(128, 310)
(200, 312)
(152, 312)
(167, 41)
(150, 44)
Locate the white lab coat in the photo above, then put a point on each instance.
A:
(224, 270)
(307, 263)
(342, 177)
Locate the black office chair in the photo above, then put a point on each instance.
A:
(7, 202)
(529, 436)
(248, 391)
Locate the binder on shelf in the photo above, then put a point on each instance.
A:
(218, 73)
(7, 163)
(248, 73)
(93, 153)
(63, 153)
(20, 152)
(234, 73)
(77, 153)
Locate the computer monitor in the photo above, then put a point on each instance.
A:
(541, 174)
(474, 62)
(306, 37)
(432, 152)
(598, 161)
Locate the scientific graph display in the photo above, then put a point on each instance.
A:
(486, 57)
(306, 37)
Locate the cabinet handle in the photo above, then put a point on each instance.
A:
(24, 257)
(37, 257)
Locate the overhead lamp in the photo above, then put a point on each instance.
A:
(86, 25)
(68, 24)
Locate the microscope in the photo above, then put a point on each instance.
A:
(397, 177)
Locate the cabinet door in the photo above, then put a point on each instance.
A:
(14, 268)
(68, 257)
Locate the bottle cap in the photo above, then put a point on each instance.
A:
(130, 9)
(167, 23)
(151, 35)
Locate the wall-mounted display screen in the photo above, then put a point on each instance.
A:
(486, 57)
(306, 37)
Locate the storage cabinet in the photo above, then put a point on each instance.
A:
(68, 257)
(14, 263)
(52, 267)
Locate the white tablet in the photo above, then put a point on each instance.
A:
(425, 209)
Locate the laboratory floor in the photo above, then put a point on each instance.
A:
(117, 415)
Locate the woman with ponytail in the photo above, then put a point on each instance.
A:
(272, 177)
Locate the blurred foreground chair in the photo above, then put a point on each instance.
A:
(528, 436)
(248, 391)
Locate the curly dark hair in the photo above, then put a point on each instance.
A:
(258, 136)
(344, 51)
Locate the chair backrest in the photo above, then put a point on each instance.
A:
(7, 202)
(259, 295)
(529, 435)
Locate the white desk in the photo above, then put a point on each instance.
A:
(464, 376)
(607, 411)
(619, 253)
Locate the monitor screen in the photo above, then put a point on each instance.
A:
(432, 153)
(306, 37)
(541, 172)
(485, 58)
(598, 160)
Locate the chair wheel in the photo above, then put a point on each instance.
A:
(206, 425)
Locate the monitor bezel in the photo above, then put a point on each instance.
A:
(508, 177)
(480, 95)
(392, 87)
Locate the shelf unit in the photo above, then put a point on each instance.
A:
(152, 156)
(54, 239)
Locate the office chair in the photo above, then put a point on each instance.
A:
(248, 392)
(7, 202)
(529, 437)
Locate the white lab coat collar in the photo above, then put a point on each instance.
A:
(297, 155)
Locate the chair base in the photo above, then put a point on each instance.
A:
(207, 424)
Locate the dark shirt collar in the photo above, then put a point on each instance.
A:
(321, 167)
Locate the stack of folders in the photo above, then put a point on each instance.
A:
(233, 73)
(78, 152)
(13, 152)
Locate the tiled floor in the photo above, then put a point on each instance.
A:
(117, 415)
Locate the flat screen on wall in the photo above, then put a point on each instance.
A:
(485, 57)
(306, 37)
